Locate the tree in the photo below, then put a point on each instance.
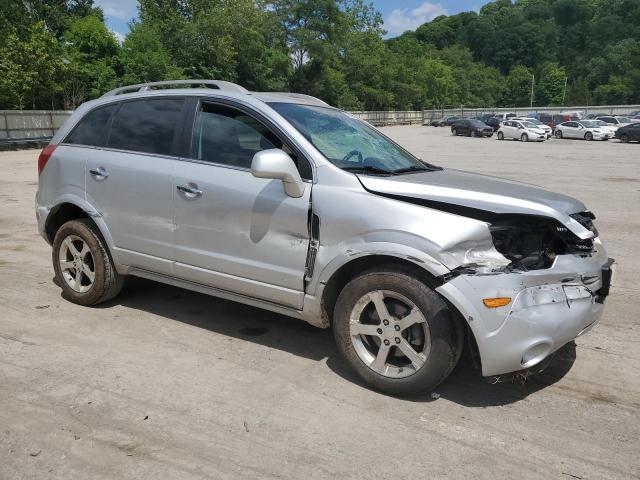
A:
(517, 92)
(31, 69)
(550, 85)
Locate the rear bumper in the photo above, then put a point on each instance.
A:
(548, 309)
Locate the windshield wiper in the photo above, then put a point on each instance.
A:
(426, 167)
(369, 169)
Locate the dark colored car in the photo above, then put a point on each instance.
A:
(493, 122)
(471, 128)
(445, 122)
(629, 133)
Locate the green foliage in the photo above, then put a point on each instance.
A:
(59, 53)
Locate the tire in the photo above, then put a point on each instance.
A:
(558, 134)
(454, 132)
(588, 136)
(524, 137)
(500, 136)
(624, 138)
(471, 133)
(78, 245)
(434, 332)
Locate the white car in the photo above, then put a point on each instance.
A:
(611, 129)
(616, 121)
(537, 122)
(521, 130)
(583, 129)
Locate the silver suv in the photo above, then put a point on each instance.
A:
(280, 201)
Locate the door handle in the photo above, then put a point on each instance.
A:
(190, 190)
(99, 172)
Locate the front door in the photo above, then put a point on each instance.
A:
(130, 181)
(236, 232)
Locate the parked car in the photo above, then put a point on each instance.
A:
(629, 133)
(493, 122)
(635, 113)
(283, 202)
(615, 120)
(471, 128)
(593, 116)
(584, 129)
(555, 119)
(611, 129)
(445, 122)
(520, 130)
(547, 129)
(505, 116)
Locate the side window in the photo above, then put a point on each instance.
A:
(90, 130)
(146, 125)
(572, 124)
(228, 136)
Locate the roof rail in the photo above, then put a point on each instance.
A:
(143, 87)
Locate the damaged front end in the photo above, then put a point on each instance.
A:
(551, 285)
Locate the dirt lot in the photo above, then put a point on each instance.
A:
(164, 383)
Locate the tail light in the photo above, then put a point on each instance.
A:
(44, 157)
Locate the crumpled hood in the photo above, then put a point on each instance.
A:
(481, 192)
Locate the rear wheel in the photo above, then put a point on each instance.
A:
(558, 134)
(588, 136)
(82, 264)
(500, 136)
(395, 332)
(624, 138)
(524, 137)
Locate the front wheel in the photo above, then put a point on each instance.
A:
(82, 264)
(500, 136)
(395, 332)
(588, 136)
(454, 132)
(624, 138)
(524, 137)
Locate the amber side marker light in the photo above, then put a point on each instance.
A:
(496, 302)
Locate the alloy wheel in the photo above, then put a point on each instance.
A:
(389, 334)
(76, 264)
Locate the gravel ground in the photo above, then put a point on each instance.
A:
(165, 383)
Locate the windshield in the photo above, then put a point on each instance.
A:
(529, 125)
(592, 123)
(534, 121)
(347, 142)
(600, 123)
(477, 123)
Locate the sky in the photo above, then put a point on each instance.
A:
(398, 15)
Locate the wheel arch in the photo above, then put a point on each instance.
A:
(71, 209)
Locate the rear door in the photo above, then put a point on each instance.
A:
(129, 180)
(571, 130)
(236, 232)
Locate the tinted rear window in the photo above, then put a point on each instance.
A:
(146, 125)
(91, 129)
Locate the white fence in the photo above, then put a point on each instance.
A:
(18, 126)
(24, 126)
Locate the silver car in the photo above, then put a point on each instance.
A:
(583, 129)
(282, 202)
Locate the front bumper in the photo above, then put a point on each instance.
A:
(549, 308)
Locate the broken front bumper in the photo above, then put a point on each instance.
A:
(548, 308)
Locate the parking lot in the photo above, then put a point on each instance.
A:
(166, 383)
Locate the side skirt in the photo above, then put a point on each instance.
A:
(215, 292)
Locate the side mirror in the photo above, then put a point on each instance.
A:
(276, 164)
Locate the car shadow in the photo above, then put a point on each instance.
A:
(465, 386)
